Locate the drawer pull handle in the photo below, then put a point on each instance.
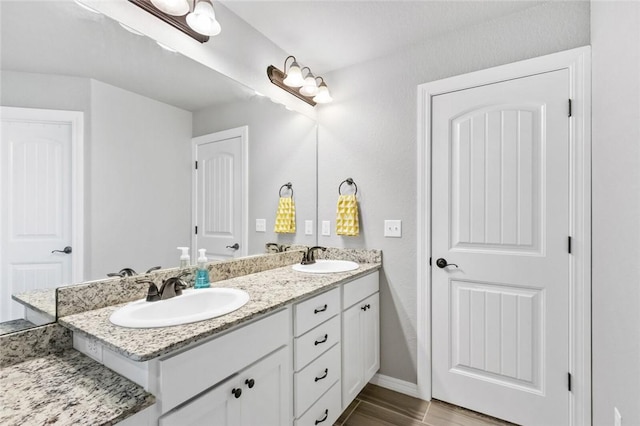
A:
(317, 342)
(326, 373)
(317, 311)
(326, 415)
(236, 392)
(250, 383)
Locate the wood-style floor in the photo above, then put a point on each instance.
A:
(379, 406)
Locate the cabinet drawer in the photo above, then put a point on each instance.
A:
(316, 378)
(314, 342)
(325, 411)
(188, 373)
(318, 309)
(358, 289)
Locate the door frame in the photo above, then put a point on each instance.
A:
(243, 133)
(76, 120)
(578, 62)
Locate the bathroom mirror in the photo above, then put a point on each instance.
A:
(141, 106)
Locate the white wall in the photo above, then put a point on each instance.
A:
(140, 179)
(615, 39)
(369, 133)
(282, 148)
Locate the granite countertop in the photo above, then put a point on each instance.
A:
(268, 291)
(63, 388)
(40, 300)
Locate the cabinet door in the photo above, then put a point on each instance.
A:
(352, 379)
(216, 407)
(371, 336)
(266, 391)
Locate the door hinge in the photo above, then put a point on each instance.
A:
(569, 381)
(196, 165)
(569, 107)
(569, 244)
(196, 230)
(429, 261)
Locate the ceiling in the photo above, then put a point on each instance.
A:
(72, 41)
(329, 35)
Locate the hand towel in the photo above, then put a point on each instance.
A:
(286, 216)
(347, 216)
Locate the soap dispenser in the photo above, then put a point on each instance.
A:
(202, 276)
(185, 259)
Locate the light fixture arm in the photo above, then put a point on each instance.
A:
(285, 62)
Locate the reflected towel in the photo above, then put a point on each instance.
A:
(286, 216)
(347, 216)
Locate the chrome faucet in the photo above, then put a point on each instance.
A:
(171, 287)
(309, 258)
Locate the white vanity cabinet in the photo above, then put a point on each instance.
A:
(317, 354)
(360, 335)
(258, 395)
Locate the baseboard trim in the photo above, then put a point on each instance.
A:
(397, 385)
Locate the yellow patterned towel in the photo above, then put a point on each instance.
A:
(347, 216)
(286, 216)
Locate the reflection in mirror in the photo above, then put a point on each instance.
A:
(140, 108)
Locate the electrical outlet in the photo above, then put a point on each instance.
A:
(261, 225)
(617, 418)
(94, 349)
(393, 228)
(308, 227)
(326, 228)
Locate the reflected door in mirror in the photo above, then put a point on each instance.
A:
(35, 212)
(220, 193)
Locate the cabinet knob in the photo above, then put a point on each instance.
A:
(250, 383)
(326, 415)
(236, 392)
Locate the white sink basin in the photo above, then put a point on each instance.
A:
(326, 266)
(193, 305)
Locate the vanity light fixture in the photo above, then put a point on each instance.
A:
(305, 88)
(195, 18)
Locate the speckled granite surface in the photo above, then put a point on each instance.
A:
(62, 389)
(268, 291)
(42, 301)
(12, 326)
(112, 291)
(33, 343)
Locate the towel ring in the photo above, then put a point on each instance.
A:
(287, 185)
(350, 182)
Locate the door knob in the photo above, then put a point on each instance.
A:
(236, 246)
(442, 263)
(65, 250)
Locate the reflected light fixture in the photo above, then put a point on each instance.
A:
(305, 88)
(195, 18)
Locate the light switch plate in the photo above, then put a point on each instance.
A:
(261, 225)
(308, 227)
(393, 228)
(326, 228)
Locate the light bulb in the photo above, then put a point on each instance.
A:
(172, 7)
(294, 76)
(203, 19)
(310, 87)
(323, 96)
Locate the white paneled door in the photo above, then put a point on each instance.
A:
(500, 224)
(36, 208)
(220, 195)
